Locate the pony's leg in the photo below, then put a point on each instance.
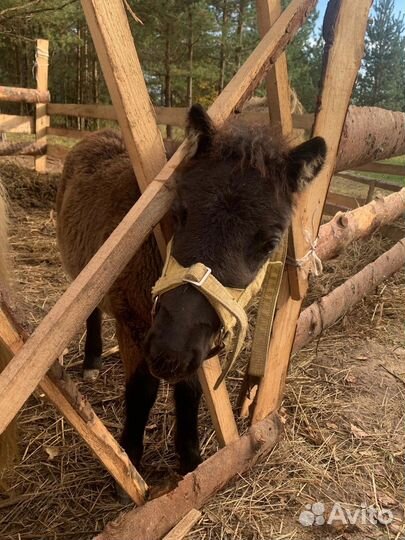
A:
(93, 347)
(140, 395)
(187, 395)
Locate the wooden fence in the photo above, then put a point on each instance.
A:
(33, 359)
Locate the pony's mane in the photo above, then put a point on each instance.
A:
(249, 145)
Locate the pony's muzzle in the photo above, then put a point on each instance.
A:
(170, 365)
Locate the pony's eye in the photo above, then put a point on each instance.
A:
(269, 245)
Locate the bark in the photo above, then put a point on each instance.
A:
(190, 58)
(343, 229)
(25, 95)
(222, 55)
(239, 33)
(156, 517)
(168, 74)
(369, 134)
(326, 311)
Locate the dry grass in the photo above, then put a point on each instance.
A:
(344, 411)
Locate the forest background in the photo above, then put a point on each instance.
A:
(189, 50)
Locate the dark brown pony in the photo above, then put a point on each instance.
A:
(234, 200)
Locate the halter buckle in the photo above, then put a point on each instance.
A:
(208, 271)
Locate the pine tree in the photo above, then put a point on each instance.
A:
(381, 80)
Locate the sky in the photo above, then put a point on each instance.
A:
(321, 6)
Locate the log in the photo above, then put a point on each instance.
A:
(64, 394)
(23, 95)
(24, 372)
(326, 311)
(344, 47)
(156, 517)
(370, 134)
(22, 149)
(343, 229)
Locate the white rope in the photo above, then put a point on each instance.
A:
(310, 259)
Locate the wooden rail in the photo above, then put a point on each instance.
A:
(11, 123)
(383, 168)
(23, 95)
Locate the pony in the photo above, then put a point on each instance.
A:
(8, 439)
(234, 198)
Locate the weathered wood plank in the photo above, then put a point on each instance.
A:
(41, 117)
(10, 123)
(382, 168)
(278, 99)
(344, 46)
(64, 394)
(104, 112)
(388, 186)
(50, 338)
(122, 71)
(218, 402)
(184, 526)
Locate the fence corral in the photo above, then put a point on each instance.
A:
(344, 37)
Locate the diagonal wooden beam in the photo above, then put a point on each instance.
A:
(135, 114)
(109, 28)
(64, 394)
(344, 47)
(20, 378)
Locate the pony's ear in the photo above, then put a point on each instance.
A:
(200, 131)
(305, 161)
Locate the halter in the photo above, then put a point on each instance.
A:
(230, 305)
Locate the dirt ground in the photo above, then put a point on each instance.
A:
(344, 413)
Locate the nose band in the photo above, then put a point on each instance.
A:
(230, 303)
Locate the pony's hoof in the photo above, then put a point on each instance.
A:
(90, 375)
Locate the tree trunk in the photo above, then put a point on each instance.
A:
(326, 311)
(369, 134)
(343, 229)
(189, 97)
(239, 33)
(168, 74)
(222, 54)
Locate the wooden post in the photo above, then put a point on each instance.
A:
(41, 117)
(278, 98)
(344, 46)
(63, 393)
(108, 24)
